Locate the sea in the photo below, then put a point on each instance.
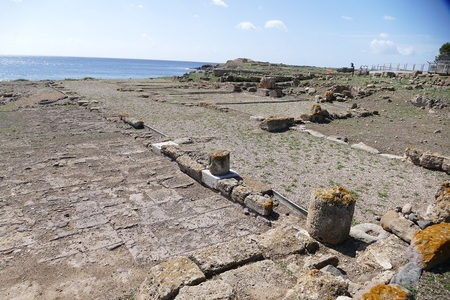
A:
(60, 68)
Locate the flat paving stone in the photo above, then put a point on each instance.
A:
(80, 199)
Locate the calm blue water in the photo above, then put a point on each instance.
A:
(59, 68)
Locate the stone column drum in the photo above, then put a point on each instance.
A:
(330, 215)
(219, 162)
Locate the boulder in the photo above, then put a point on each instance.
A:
(431, 246)
(432, 161)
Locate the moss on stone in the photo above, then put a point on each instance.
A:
(385, 292)
(337, 195)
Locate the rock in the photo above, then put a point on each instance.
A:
(387, 218)
(440, 210)
(212, 289)
(424, 223)
(413, 155)
(256, 186)
(252, 89)
(239, 193)
(268, 83)
(318, 115)
(190, 167)
(320, 262)
(446, 165)
(259, 204)
(259, 280)
(330, 215)
(431, 161)
(276, 93)
(221, 257)
(225, 186)
(209, 290)
(368, 232)
(171, 151)
(366, 148)
(333, 271)
(431, 246)
(280, 242)
(385, 292)
(165, 280)
(415, 73)
(219, 162)
(407, 209)
(135, 123)
(403, 228)
(311, 91)
(408, 275)
(317, 285)
(277, 124)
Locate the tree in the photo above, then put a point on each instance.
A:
(444, 52)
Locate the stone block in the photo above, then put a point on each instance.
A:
(226, 186)
(190, 167)
(239, 193)
(315, 284)
(387, 218)
(431, 161)
(330, 215)
(221, 257)
(368, 232)
(211, 180)
(156, 148)
(259, 204)
(277, 124)
(256, 186)
(431, 246)
(171, 151)
(135, 123)
(259, 280)
(165, 280)
(212, 289)
(280, 242)
(321, 262)
(219, 162)
(440, 210)
(403, 228)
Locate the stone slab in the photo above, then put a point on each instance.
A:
(211, 180)
(156, 148)
(225, 256)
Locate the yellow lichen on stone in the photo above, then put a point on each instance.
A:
(219, 153)
(431, 241)
(337, 194)
(385, 292)
(268, 205)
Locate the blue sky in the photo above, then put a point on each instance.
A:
(325, 33)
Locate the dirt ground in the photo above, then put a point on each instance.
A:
(69, 169)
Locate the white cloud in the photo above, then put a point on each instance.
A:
(389, 18)
(347, 18)
(389, 47)
(246, 26)
(406, 51)
(219, 3)
(137, 5)
(277, 24)
(384, 35)
(383, 46)
(16, 1)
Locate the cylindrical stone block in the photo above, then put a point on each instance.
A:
(219, 162)
(330, 215)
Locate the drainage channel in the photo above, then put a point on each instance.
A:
(289, 204)
(155, 131)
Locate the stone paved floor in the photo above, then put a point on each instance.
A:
(86, 209)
